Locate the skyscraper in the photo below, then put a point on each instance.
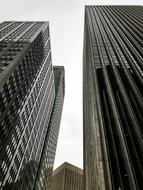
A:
(67, 177)
(45, 171)
(113, 97)
(29, 96)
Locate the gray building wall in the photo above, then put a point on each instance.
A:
(113, 97)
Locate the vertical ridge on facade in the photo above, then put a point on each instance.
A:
(112, 92)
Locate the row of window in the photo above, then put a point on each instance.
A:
(13, 50)
(3, 46)
(9, 29)
(46, 34)
(31, 32)
(18, 31)
(4, 24)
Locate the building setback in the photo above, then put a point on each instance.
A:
(29, 96)
(113, 97)
(67, 177)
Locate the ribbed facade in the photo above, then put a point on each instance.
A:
(67, 177)
(113, 97)
(27, 98)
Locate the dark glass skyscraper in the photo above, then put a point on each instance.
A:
(31, 99)
(44, 176)
(113, 97)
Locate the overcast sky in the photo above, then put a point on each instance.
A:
(66, 30)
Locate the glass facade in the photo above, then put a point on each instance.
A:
(44, 176)
(113, 97)
(27, 96)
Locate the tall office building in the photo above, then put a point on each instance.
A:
(67, 177)
(30, 105)
(45, 171)
(113, 97)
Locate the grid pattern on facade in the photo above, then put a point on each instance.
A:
(27, 95)
(67, 177)
(44, 176)
(8, 53)
(73, 180)
(22, 31)
(113, 97)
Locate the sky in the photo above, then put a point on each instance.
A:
(66, 19)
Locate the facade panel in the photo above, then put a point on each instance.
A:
(113, 97)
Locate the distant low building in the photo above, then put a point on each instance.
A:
(67, 177)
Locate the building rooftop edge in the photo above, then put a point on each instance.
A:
(69, 166)
(44, 21)
(112, 5)
(58, 67)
